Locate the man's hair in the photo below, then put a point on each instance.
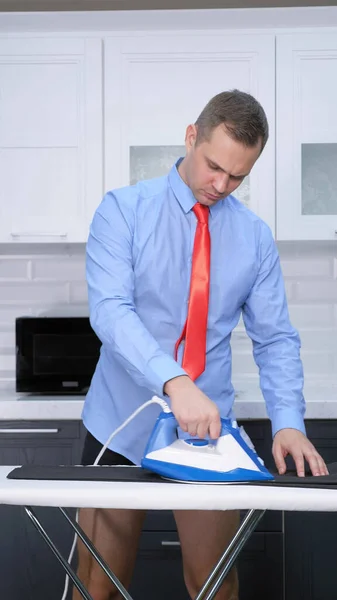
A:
(241, 114)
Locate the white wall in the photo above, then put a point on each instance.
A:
(37, 279)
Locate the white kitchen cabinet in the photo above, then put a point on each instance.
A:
(51, 160)
(156, 84)
(306, 136)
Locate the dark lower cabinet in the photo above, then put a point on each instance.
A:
(260, 567)
(158, 572)
(28, 569)
(311, 538)
(311, 556)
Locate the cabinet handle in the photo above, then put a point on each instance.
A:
(169, 543)
(3, 430)
(18, 234)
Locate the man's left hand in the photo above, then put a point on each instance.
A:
(295, 443)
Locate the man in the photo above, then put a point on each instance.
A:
(152, 297)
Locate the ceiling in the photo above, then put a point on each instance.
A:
(83, 5)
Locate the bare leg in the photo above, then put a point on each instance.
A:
(204, 535)
(115, 534)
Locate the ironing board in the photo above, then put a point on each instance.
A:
(160, 495)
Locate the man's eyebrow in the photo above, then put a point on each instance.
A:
(214, 164)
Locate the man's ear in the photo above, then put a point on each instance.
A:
(190, 137)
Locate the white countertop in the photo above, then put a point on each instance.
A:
(321, 399)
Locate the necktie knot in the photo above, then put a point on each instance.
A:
(201, 212)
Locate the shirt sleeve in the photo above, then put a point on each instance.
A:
(113, 316)
(276, 344)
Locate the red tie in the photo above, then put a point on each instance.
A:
(195, 328)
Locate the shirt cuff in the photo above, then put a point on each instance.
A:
(159, 370)
(287, 419)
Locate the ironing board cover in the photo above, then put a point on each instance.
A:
(138, 474)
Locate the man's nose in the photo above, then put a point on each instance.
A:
(220, 184)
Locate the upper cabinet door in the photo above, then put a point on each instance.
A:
(50, 137)
(306, 70)
(156, 86)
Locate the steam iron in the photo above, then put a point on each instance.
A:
(227, 459)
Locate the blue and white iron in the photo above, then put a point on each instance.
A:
(227, 459)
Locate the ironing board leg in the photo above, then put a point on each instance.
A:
(58, 555)
(221, 570)
(211, 585)
(96, 555)
(76, 581)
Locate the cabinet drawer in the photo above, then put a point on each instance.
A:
(159, 541)
(40, 442)
(158, 571)
(12, 430)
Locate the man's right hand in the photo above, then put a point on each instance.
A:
(194, 411)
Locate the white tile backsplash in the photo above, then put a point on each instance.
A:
(319, 268)
(51, 280)
(33, 294)
(78, 292)
(7, 340)
(311, 290)
(7, 362)
(313, 315)
(290, 289)
(13, 269)
(58, 269)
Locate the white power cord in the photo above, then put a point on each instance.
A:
(154, 400)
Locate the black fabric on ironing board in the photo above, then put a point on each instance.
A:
(137, 474)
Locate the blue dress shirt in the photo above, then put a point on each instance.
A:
(139, 255)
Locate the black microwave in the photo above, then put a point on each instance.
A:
(55, 355)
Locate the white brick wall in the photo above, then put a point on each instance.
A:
(39, 279)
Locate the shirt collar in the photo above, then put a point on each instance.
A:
(184, 194)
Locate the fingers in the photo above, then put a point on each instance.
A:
(202, 429)
(323, 468)
(295, 443)
(299, 462)
(316, 464)
(279, 459)
(193, 429)
(183, 425)
(189, 427)
(215, 428)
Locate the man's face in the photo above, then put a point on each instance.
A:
(213, 169)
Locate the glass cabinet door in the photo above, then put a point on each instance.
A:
(157, 85)
(306, 134)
